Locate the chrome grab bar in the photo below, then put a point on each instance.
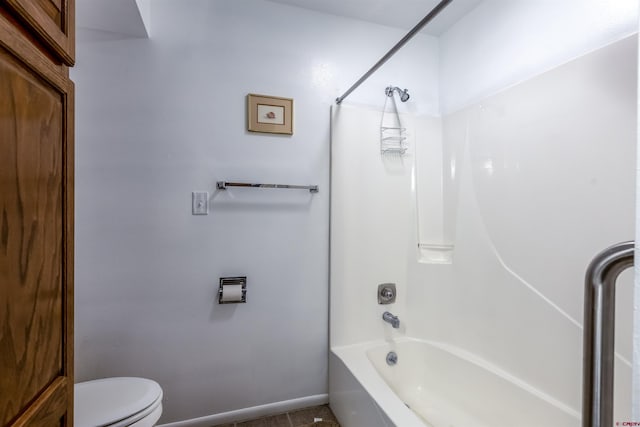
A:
(599, 333)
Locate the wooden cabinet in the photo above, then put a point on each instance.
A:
(36, 218)
(51, 21)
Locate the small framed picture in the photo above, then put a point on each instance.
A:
(269, 114)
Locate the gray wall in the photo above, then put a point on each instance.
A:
(159, 118)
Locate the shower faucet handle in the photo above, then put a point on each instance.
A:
(386, 293)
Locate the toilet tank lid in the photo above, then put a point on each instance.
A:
(106, 401)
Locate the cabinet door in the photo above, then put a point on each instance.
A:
(52, 21)
(36, 237)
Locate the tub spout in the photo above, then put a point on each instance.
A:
(390, 318)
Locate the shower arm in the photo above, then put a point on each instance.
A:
(599, 333)
(434, 12)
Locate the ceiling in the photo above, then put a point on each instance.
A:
(130, 16)
(125, 17)
(403, 14)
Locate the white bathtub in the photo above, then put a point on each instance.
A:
(434, 385)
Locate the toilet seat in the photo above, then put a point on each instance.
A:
(117, 402)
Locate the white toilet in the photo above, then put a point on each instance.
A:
(117, 402)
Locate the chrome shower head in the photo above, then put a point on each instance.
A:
(404, 94)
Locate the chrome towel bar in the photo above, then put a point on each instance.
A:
(599, 333)
(222, 185)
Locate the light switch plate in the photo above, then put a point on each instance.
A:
(200, 203)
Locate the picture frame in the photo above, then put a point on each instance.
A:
(269, 114)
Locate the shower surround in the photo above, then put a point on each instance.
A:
(486, 225)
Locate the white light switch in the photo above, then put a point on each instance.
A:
(200, 203)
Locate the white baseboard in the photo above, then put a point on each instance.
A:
(253, 412)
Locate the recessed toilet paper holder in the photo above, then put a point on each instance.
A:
(233, 281)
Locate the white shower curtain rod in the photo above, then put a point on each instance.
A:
(434, 12)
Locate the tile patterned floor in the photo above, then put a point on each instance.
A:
(298, 418)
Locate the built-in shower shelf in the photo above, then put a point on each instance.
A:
(435, 253)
